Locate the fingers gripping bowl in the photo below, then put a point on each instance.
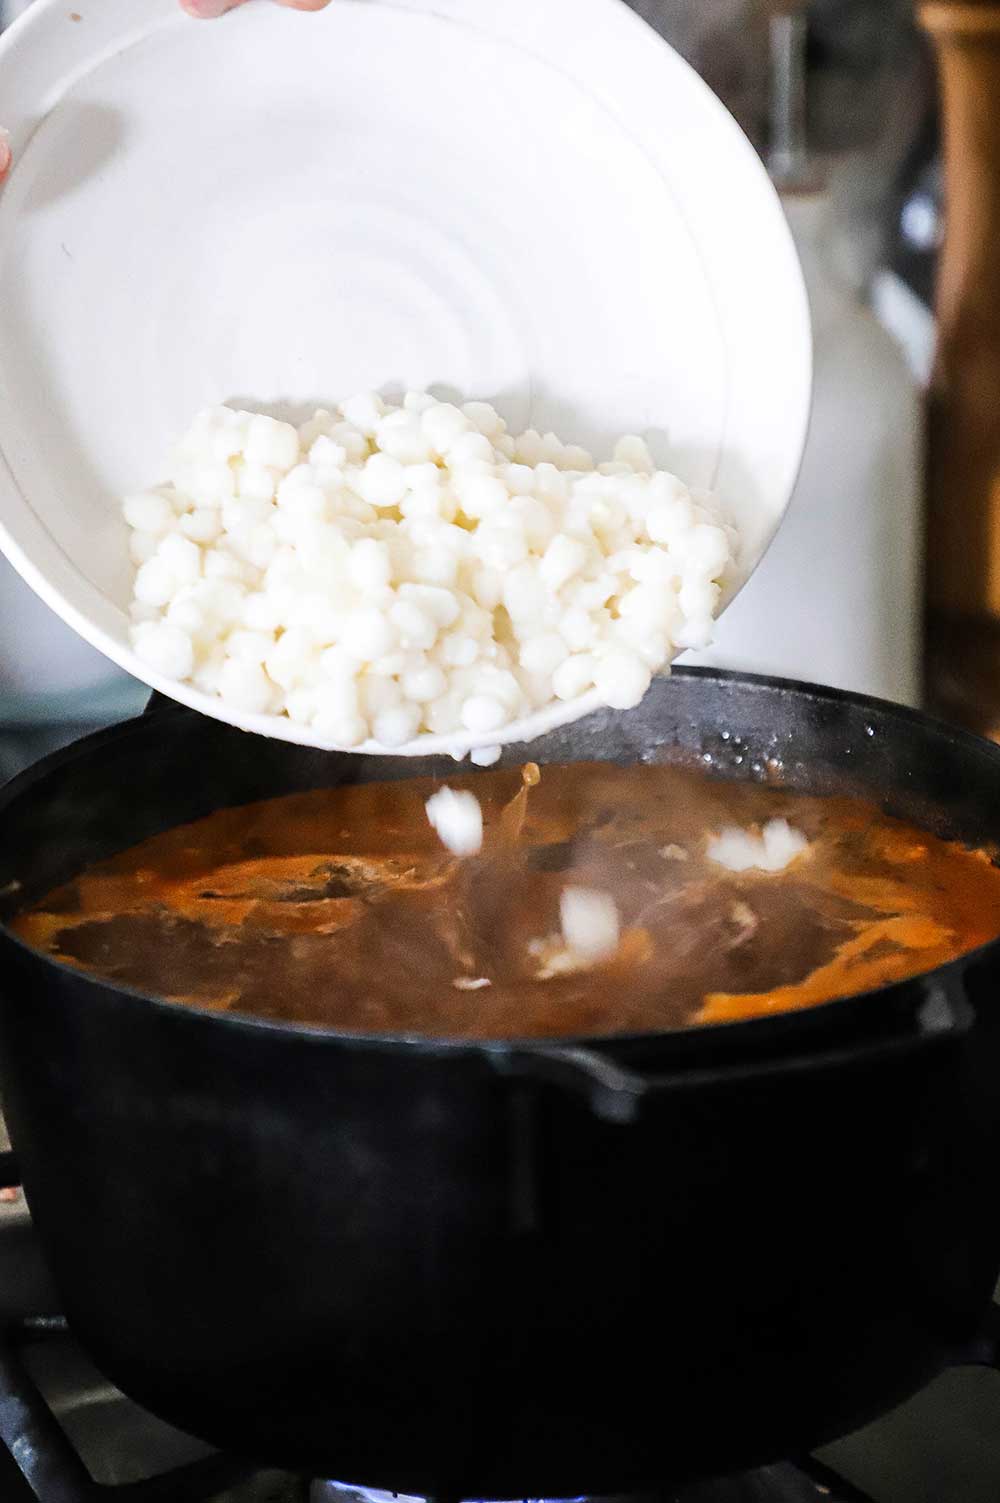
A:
(308, 253)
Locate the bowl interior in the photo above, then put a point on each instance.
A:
(538, 205)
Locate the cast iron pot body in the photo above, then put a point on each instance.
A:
(495, 1270)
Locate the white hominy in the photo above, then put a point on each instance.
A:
(386, 571)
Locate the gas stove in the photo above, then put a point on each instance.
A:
(82, 1442)
(68, 1436)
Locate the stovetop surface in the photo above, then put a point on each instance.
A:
(120, 1446)
(941, 1447)
(115, 1447)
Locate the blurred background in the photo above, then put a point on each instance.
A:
(840, 97)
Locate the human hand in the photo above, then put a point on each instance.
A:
(208, 10)
(205, 10)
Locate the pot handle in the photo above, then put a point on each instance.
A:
(613, 1091)
(617, 1091)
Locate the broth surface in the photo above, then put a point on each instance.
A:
(341, 908)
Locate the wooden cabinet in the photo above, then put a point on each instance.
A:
(963, 520)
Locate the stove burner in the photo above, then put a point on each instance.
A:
(808, 1482)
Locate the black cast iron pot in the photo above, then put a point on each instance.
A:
(494, 1270)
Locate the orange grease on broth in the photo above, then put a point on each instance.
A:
(340, 908)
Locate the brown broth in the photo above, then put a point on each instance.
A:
(340, 908)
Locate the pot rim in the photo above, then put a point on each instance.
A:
(781, 1028)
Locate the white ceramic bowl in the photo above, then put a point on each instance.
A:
(536, 204)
